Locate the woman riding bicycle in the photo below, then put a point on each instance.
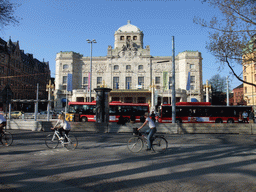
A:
(151, 131)
(62, 125)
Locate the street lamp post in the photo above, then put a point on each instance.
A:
(173, 84)
(90, 90)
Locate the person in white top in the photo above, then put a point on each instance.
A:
(151, 131)
(2, 123)
(245, 115)
(62, 125)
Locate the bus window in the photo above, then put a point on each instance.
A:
(71, 109)
(141, 110)
(127, 110)
(166, 111)
(112, 110)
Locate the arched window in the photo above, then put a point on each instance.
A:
(134, 37)
(128, 67)
(116, 67)
(140, 67)
(122, 38)
(65, 66)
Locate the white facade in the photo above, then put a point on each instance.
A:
(130, 71)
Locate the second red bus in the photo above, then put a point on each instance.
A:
(203, 112)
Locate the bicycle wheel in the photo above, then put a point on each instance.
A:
(72, 142)
(159, 144)
(51, 141)
(6, 139)
(135, 144)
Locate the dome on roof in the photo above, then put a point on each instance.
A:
(128, 28)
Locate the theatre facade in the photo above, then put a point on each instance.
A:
(130, 71)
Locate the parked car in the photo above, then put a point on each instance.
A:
(16, 114)
(52, 114)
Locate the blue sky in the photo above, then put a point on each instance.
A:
(50, 26)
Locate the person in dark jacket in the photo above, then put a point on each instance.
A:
(133, 118)
(153, 116)
(121, 120)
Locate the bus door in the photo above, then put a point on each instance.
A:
(166, 114)
(88, 113)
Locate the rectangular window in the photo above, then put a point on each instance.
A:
(128, 82)
(157, 80)
(115, 82)
(170, 80)
(192, 79)
(245, 90)
(170, 83)
(1, 69)
(244, 68)
(64, 80)
(192, 87)
(140, 82)
(192, 66)
(99, 80)
(85, 80)
(128, 67)
(245, 78)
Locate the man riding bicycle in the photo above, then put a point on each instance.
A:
(151, 131)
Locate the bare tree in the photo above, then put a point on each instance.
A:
(232, 34)
(7, 16)
(218, 83)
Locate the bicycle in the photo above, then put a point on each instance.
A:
(6, 138)
(136, 143)
(53, 140)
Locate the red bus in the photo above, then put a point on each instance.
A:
(202, 112)
(86, 111)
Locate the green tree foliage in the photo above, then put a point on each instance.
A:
(7, 16)
(233, 32)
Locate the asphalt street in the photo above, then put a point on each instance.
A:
(102, 162)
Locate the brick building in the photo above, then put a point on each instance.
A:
(21, 72)
(238, 95)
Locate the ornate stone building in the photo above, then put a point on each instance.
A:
(249, 72)
(130, 71)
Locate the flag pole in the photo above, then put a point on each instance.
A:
(66, 101)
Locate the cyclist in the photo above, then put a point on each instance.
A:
(151, 131)
(62, 125)
(2, 123)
